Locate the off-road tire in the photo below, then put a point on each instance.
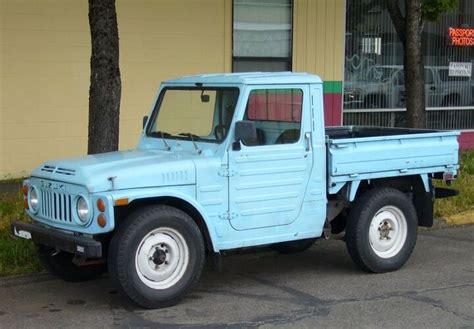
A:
(61, 265)
(358, 224)
(293, 247)
(124, 247)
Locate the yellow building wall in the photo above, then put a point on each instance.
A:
(44, 64)
(44, 69)
(318, 38)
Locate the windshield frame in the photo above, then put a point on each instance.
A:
(156, 110)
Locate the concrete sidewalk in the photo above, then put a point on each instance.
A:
(317, 288)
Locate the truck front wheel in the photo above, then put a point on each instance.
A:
(157, 255)
(381, 230)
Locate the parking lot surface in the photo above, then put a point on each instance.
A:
(317, 288)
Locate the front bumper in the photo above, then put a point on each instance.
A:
(74, 244)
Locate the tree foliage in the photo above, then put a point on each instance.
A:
(431, 10)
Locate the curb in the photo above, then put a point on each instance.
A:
(463, 218)
(445, 223)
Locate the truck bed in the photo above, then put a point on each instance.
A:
(360, 153)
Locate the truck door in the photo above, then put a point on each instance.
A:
(268, 176)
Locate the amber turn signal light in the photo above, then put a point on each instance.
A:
(101, 220)
(25, 190)
(101, 205)
(25, 204)
(121, 202)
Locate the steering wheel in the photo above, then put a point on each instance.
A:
(220, 131)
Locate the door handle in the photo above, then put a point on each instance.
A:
(307, 141)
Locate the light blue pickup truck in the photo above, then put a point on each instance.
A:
(229, 161)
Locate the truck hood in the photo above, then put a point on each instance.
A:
(122, 170)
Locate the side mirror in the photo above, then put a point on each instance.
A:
(245, 130)
(145, 119)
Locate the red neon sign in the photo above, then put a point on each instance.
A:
(461, 36)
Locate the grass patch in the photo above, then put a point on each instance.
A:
(464, 202)
(17, 256)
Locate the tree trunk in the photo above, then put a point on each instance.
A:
(413, 63)
(105, 88)
(409, 30)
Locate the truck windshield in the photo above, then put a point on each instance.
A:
(197, 114)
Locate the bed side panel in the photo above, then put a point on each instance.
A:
(359, 156)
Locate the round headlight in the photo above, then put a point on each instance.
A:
(33, 199)
(82, 208)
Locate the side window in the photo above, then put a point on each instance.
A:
(399, 78)
(428, 77)
(276, 114)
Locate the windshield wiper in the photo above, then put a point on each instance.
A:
(163, 135)
(192, 136)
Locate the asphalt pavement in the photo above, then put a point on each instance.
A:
(319, 288)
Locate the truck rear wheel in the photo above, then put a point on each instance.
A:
(156, 256)
(61, 265)
(381, 230)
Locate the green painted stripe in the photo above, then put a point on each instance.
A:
(332, 87)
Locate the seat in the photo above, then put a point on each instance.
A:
(260, 140)
(289, 136)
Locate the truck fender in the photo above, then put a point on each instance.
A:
(353, 186)
(163, 192)
(352, 190)
(423, 197)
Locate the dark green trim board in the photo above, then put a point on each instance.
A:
(332, 87)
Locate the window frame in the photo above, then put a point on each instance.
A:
(276, 87)
(288, 60)
(157, 106)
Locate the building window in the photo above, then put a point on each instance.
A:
(262, 35)
(374, 89)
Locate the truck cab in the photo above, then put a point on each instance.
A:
(228, 161)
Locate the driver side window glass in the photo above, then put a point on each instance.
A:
(276, 114)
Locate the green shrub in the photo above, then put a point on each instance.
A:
(465, 184)
(17, 256)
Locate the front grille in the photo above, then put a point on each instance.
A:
(56, 206)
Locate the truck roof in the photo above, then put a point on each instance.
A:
(249, 78)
